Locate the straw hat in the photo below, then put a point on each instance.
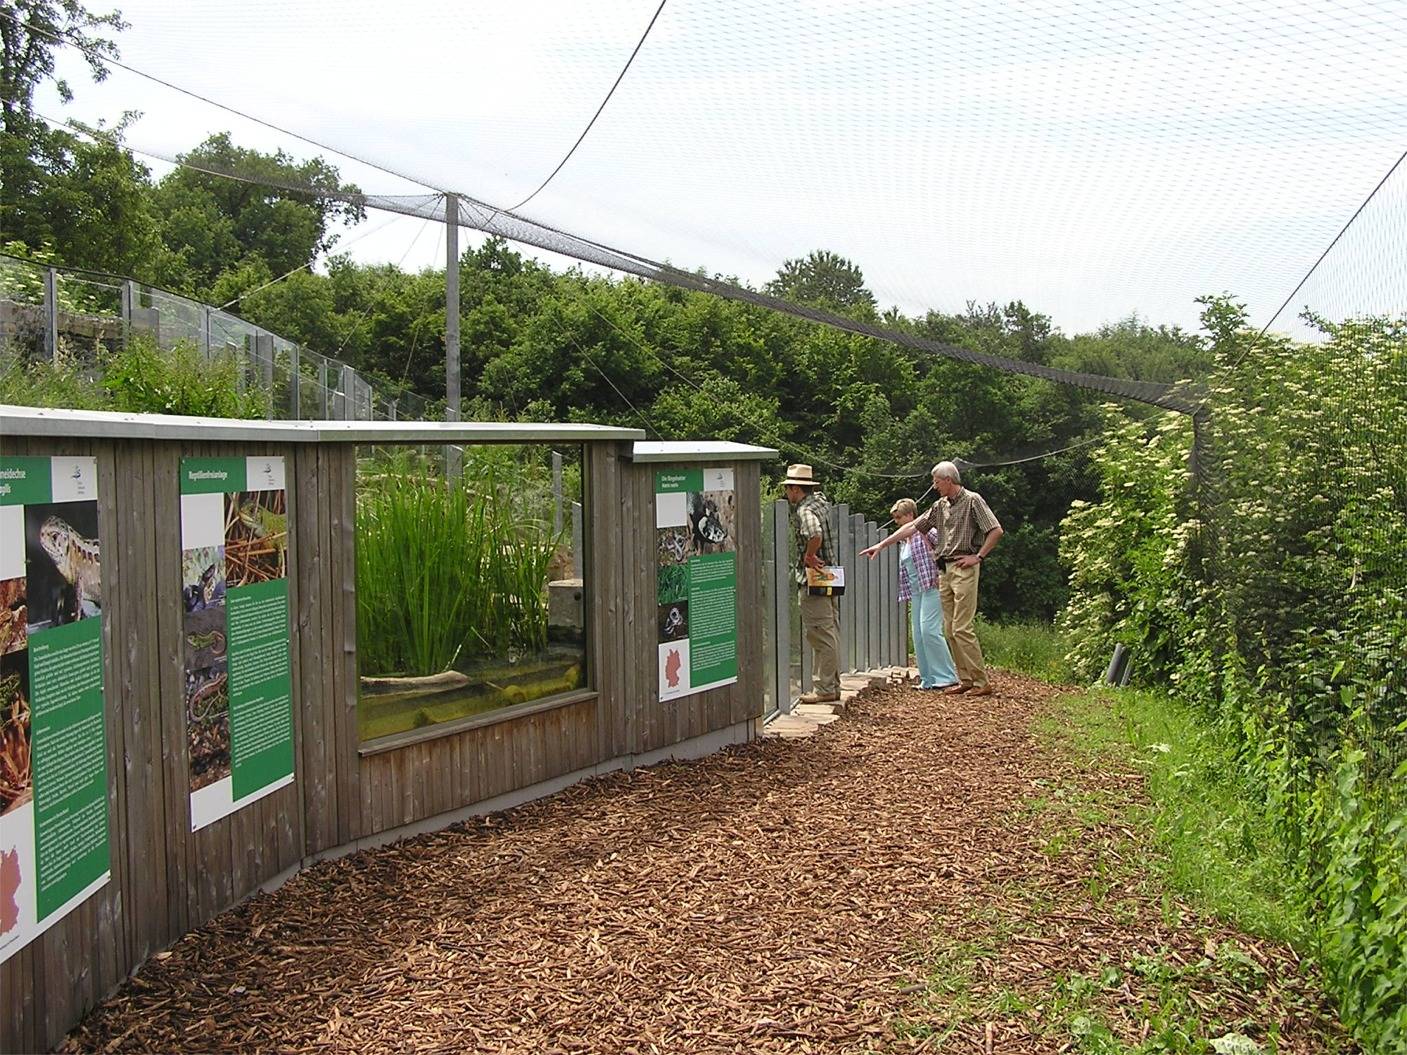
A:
(800, 476)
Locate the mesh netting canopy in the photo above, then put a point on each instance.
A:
(1093, 160)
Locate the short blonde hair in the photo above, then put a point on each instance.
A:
(904, 505)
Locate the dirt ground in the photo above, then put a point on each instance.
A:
(917, 877)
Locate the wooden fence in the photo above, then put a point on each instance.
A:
(167, 880)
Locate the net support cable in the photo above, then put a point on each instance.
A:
(492, 220)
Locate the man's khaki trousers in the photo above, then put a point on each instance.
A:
(820, 618)
(958, 589)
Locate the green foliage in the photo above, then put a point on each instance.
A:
(1217, 848)
(1034, 649)
(143, 378)
(1270, 594)
(30, 42)
(825, 280)
(139, 378)
(214, 222)
(445, 573)
(44, 383)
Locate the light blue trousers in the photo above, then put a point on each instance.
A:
(935, 661)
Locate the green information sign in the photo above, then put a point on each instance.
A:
(234, 595)
(54, 850)
(696, 580)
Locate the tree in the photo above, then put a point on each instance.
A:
(214, 222)
(96, 203)
(825, 280)
(31, 32)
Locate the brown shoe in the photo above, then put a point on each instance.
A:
(956, 690)
(819, 697)
(985, 690)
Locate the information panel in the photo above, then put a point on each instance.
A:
(234, 596)
(53, 736)
(697, 580)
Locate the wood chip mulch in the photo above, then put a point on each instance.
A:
(884, 886)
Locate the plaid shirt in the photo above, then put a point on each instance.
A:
(962, 524)
(813, 517)
(921, 547)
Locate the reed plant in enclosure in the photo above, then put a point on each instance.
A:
(446, 572)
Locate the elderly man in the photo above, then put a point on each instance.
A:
(820, 616)
(967, 531)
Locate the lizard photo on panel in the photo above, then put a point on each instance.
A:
(62, 565)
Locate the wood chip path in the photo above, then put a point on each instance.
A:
(884, 886)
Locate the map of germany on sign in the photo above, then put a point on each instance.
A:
(671, 668)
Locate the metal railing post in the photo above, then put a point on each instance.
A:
(264, 366)
(859, 606)
(876, 644)
(885, 599)
(51, 313)
(556, 493)
(577, 563)
(295, 382)
(782, 587)
(845, 557)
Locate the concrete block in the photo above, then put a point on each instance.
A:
(565, 604)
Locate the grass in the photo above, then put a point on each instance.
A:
(446, 573)
(1216, 849)
(1034, 649)
(1197, 848)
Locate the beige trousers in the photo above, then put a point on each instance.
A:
(958, 589)
(820, 619)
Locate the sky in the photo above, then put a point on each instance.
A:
(1095, 160)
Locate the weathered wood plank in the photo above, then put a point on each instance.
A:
(308, 619)
(746, 699)
(342, 543)
(112, 922)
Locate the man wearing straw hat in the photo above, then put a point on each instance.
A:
(820, 616)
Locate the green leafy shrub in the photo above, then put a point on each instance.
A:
(1268, 590)
(138, 378)
(143, 378)
(45, 383)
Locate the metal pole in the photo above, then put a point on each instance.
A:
(873, 595)
(453, 461)
(578, 563)
(782, 589)
(51, 313)
(845, 557)
(556, 493)
(295, 383)
(264, 366)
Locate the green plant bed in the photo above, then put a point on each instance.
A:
(1035, 649)
(447, 574)
(388, 705)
